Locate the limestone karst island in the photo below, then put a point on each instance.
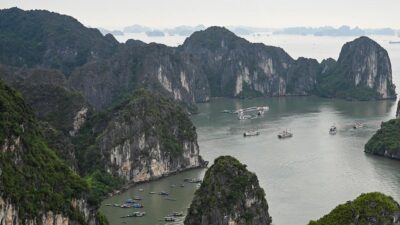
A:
(199, 113)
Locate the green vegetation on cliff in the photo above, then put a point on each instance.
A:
(32, 176)
(229, 192)
(237, 177)
(386, 141)
(368, 209)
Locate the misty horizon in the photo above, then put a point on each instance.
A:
(255, 13)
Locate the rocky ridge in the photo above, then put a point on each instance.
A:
(211, 63)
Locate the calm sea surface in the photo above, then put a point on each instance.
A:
(305, 176)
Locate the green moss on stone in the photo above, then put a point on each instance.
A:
(375, 207)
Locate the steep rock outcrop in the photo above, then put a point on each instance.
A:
(363, 71)
(229, 194)
(233, 66)
(386, 141)
(41, 38)
(372, 209)
(36, 187)
(144, 138)
(398, 110)
(302, 76)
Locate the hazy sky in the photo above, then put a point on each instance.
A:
(260, 13)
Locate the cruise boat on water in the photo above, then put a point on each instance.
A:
(285, 134)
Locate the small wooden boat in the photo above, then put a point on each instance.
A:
(358, 125)
(137, 205)
(129, 200)
(169, 219)
(195, 180)
(137, 198)
(163, 193)
(333, 130)
(177, 214)
(251, 133)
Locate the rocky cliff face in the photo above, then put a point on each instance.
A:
(230, 195)
(145, 138)
(363, 71)
(36, 186)
(371, 209)
(235, 67)
(367, 64)
(398, 110)
(157, 67)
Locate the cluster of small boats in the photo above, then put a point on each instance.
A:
(129, 203)
(135, 214)
(282, 135)
(287, 134)
(133, 202)
(170, 218)
(356, 125)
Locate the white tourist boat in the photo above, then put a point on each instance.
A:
(285, 134)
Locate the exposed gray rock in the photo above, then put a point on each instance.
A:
(363, 71)
(145, 138)
(368, 65)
